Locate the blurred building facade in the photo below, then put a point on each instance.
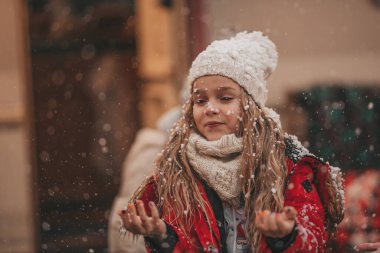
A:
(79, 78)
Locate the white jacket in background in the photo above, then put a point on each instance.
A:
(138, 165)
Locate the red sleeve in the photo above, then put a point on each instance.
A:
(302, 194)
(181, 243)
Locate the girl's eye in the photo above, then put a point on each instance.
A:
(226, 98)
(200, 101)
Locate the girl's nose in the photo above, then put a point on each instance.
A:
(211, 109)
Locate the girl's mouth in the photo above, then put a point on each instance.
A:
(213, 124)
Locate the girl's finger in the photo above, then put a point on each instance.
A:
(154, 211)
(131, 209)
(141, 210)
(129, 219)
(122, 213)
(135, 219)
(259, 220)
(146, 222)
(127, 222)
(272, 224)
(290, 213)
(123, 216)
(265, 219)
(266, 213)
(281, 221)
(284, 225)
(368, 246)
(159, 225)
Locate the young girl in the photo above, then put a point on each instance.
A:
(229, 179)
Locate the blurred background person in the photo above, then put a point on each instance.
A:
(138, 165)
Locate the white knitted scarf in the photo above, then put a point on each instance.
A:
(218, 163)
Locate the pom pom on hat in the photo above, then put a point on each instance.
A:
(246, 58)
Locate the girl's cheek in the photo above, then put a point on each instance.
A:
(230, 112)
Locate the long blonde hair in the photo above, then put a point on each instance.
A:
(263, 166)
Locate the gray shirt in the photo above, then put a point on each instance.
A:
(235, 230)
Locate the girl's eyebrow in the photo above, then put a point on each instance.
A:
(204, 90)
(224, 88)
(199, 90)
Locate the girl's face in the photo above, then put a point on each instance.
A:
(217, 106)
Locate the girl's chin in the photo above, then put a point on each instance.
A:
(213, 136)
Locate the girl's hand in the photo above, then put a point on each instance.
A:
(138, 222)
(371, 247)
(276, 225)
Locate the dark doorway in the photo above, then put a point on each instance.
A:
(85, 103)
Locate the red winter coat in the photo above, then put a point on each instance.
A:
(305, 192)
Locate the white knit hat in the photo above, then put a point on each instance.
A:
(247, 58)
